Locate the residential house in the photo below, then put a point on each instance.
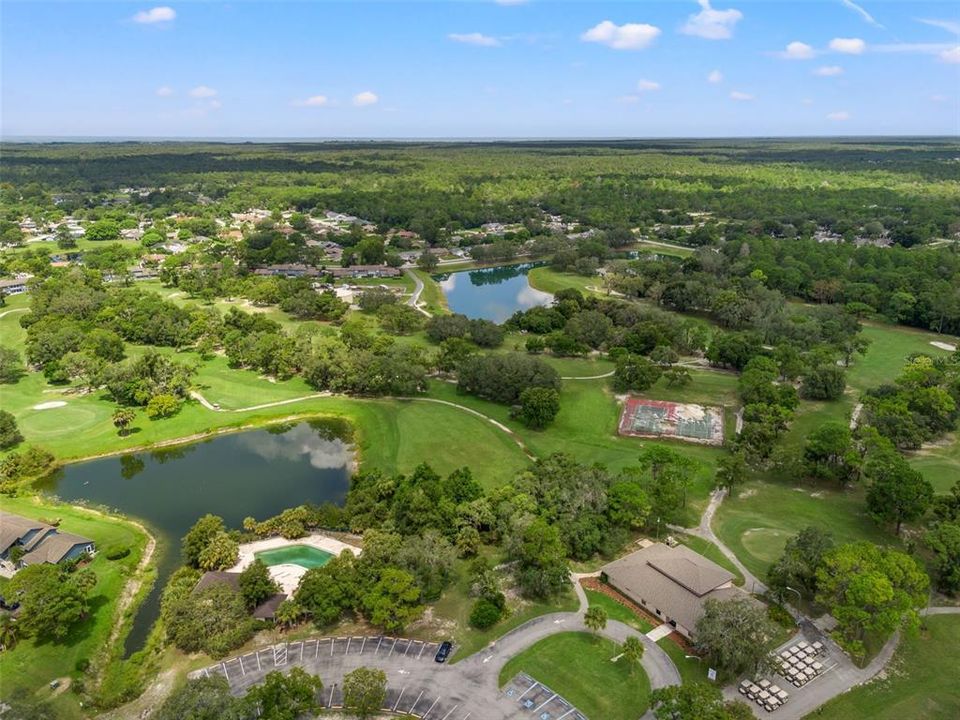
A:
(28, 542)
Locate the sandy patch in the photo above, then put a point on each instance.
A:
(943, 346)
(746, 493)
(49, 405)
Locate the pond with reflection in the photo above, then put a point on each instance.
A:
(255, 473)
(492, 293)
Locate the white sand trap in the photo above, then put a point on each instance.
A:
(943, 346)
(49, 405)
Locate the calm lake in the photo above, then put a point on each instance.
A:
(256, 473)
(493, 293)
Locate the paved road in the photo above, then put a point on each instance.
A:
(704, 530)
(414, 300)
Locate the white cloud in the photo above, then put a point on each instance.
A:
(712, 24)
(202, 91)
(828, 71)
(313, 101)
(164, 91)
(628, 99)
(474, 38)
(950, 26)
(715, 77)
(647, 85)
(807, 101)
(741, 96)
(215, 105)
(365, 98)
(155, 15)
(938, 98)
(797, 51)
(838, 116)
(951, 56)
(867, 17)
(848, 46)
(630, 36)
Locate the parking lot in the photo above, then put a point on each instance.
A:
(416, 684)
(536, 700)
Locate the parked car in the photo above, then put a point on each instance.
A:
(444, 652)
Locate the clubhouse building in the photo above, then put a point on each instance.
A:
(671, 583)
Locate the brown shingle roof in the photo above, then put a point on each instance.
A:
(677, 581)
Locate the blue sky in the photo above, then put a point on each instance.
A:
(480, 69)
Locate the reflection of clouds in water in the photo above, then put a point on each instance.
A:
(529, 297)
(296, 442)
(450, 283)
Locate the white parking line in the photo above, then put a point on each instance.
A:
(424, 716)
(535, 683)
(537, 709)
(393, 646)
(242, 671)
(410, 711)
(363, 644)
(449, 712)
(378, 644)
(421, 651)
(347, 651)
(402, 690)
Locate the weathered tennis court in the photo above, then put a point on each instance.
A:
(661, 418)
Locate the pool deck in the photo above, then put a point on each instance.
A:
(288, 575)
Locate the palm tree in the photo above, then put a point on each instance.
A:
(632, 652)
(595, 618)
(123, 417)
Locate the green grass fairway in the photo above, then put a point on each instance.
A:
(586, 427)
(31, 665)
(551, 281)
(691, 669)
(765, 514)
(393, 435)
(432, 298)
(577, 665)
(939, 463)
(921, 683)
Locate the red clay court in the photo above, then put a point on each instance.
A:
(661, 418)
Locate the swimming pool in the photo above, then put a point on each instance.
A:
(302, 555)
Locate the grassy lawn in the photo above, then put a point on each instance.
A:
(691, 669)
(921, 683)
(31, 665)
(551, 281)
(939, 463)
(394, 435)
(450, 615)
(757, 523)
(586, 427)
(577, 665)
(616, 611)
(432, 298)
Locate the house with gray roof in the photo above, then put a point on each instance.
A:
(24, 541)
(671, 583)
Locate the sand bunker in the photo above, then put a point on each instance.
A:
(49, 405)
(943, 346)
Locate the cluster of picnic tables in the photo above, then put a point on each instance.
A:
(798, 664)
(764, 693)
